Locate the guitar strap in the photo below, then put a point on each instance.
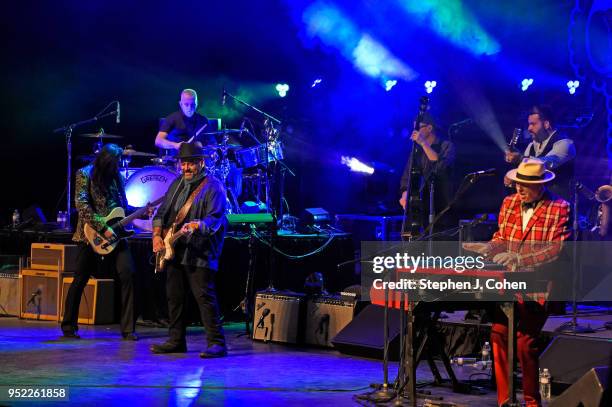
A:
(182, 213)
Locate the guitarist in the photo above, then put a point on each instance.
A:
(99, 189)
(195, 205)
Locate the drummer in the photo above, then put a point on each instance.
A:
(184, 125)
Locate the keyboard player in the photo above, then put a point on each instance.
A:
(527, 219)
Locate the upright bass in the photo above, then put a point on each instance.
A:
(412, 225)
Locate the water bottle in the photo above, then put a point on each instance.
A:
(16, 218)
(486, 354)
(545, 384)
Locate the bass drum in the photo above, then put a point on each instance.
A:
(146, 185)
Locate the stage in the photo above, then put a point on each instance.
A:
(101, 369)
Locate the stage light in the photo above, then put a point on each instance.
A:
(430, 85)
(356, 166)
(367, 54)
(572, 86)
(282, 89)
(316, 82)
(526, 83)
(390, 84)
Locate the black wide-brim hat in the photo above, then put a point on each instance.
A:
(190, 150)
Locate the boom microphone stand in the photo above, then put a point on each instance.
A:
(67, 131)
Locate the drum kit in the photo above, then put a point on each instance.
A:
(227, 161)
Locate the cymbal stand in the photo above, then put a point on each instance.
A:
(67, 132)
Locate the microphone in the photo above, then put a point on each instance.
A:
(462, 122)
(479, 219)
(264, 314)
(223, 97)
(241, 128)
(35, 294)
(118, 115)
(482, 173)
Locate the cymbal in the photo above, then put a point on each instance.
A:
(86, 157)
(228, 145)
(99, 135)
(215, 133)
(133, 153)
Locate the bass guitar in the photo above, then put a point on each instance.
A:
(117, 220)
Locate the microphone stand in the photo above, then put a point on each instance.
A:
(573, 326)
(67, 131)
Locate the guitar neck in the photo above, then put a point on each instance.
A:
(138, 213)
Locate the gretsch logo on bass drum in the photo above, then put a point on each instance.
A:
(153, 177)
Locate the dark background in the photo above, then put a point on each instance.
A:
(64, 61)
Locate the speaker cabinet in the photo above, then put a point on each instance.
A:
(9, 294)
(325, 317)
(364, 335)
(54, 257)
(591, 390)
(278, 317)
(39, 294)
(97, 301)
(569, 358)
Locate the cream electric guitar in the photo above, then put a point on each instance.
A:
(117, 220)
(166, 254)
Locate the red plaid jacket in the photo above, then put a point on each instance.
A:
(543, 237)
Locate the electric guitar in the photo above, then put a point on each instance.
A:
(117, 220)
(166, 254)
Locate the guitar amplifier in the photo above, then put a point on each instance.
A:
(325, 317)
(40, 294)
(54, 257)
(277, 316)
(97, 301)
(9, 294)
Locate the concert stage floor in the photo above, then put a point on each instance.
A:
(100, 369)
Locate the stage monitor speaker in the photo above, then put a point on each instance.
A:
(569, 358)
(591, 390)
(9, 294)
(278, 316)
(39, 294)
(325, 317)
(97, 301)
(364, 335)
(53, 257)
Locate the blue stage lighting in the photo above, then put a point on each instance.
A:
(356, 166)
(316, 82)
(282, 89)
(572, 86)
(389, 84)
(430, 85)
(526, 83)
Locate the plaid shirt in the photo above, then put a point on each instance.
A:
(542, 239)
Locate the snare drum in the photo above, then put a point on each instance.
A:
(253, 156)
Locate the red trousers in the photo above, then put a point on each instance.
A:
(531, 317)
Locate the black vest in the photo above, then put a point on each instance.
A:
(564, 174)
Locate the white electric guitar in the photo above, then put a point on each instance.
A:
(166, 254)
(117, 220)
